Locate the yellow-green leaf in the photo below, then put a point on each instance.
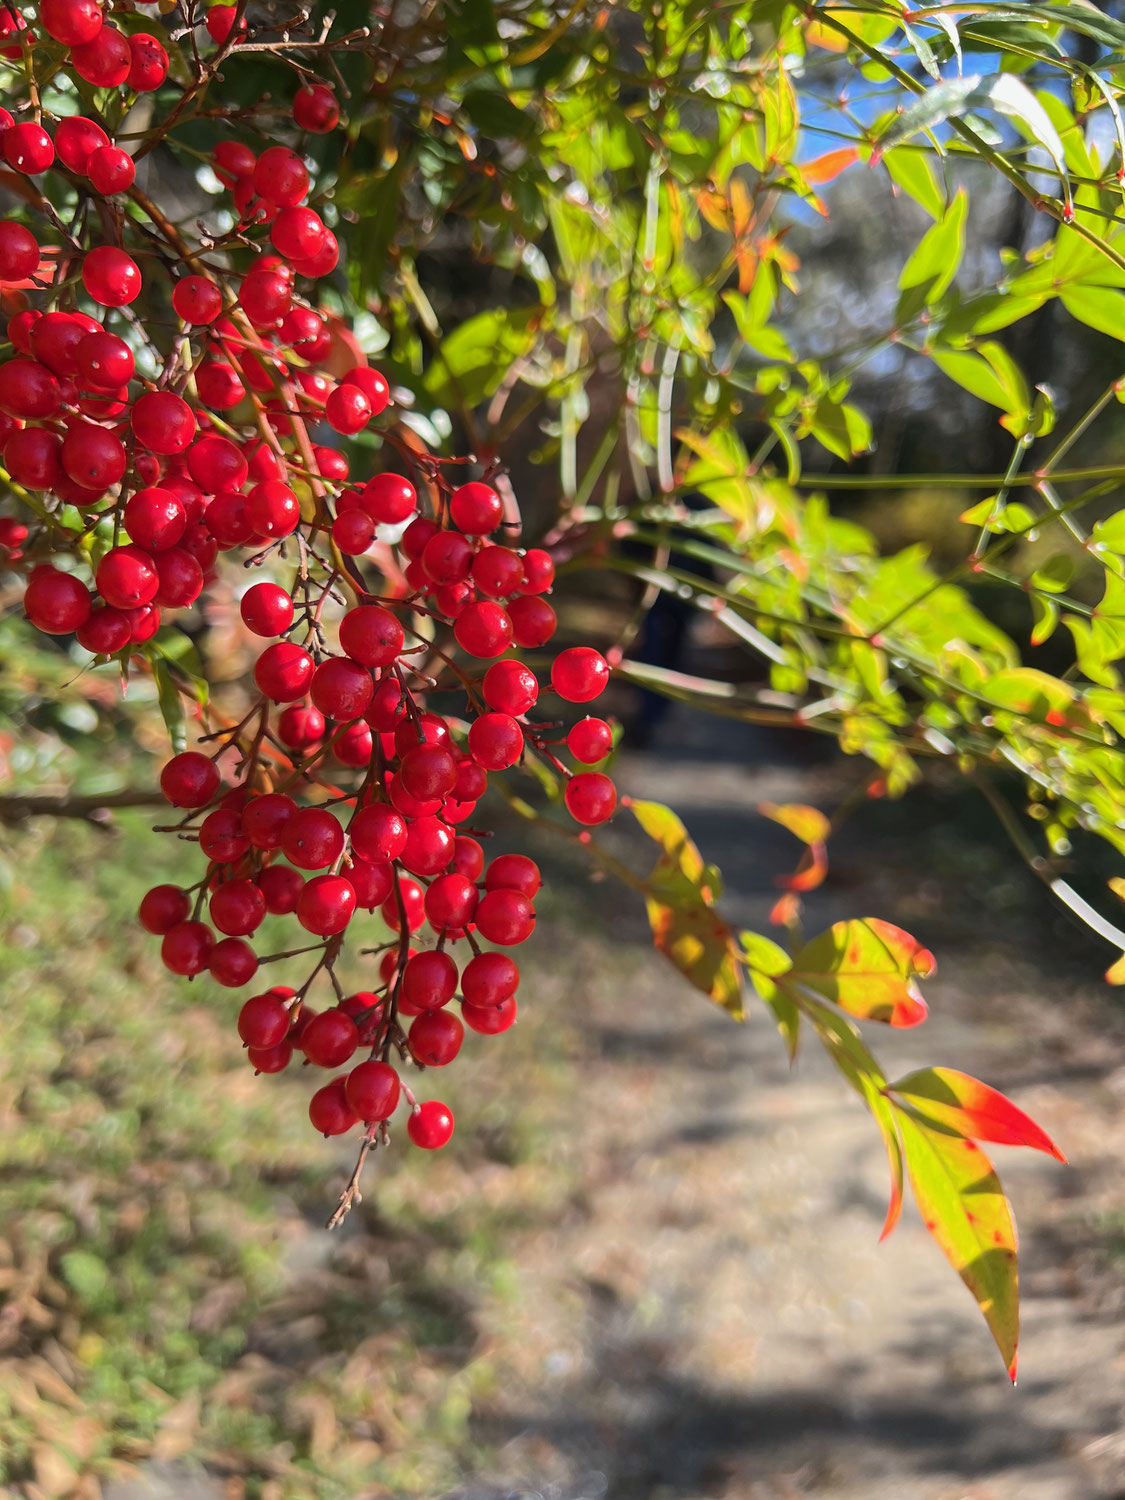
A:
(964, 1208)
(867, 967)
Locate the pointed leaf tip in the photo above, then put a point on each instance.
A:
(950, 1101)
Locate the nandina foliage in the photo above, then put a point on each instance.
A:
(180, 396)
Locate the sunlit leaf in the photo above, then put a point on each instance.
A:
(964, 1208)
(867, 967)
(950, 1100)
(679, 898)
(808, 824)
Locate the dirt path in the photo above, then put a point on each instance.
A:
(711, 1315)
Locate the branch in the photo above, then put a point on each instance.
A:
(18, 808)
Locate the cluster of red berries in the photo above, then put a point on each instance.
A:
(227, 437)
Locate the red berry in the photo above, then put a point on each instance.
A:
(435, 1038)
(106, 632)
(378, 833)
(387, 498)
(428, 729)
(163, 421)
(189, 779)
(71, 22)
(495, 741)
(272, 509)
(111, 277)
(126, 577)
(312, 839)
(476, 508)
(533, 621)
(429, 980)
(265, 818)
(110, 170)
(326, 259)
(468, 857)
(315, 109)
(103, 361)
(450, 902)
(232, 160)
(186, 948)
(505, 918)
(268, 1059)
(430, 1125)
(76, 138)
(353, 532)
(28, 390)
(483, 629)
(326, 904)
(221, 837)
(372, 1090)
(218, 385)
(590, 740)
(32, 456)
(539, 571)
(411, 896)
(489, 979)
(148, 66)
(497, 571)
(510, 687)
(28, 148)
(301, 727)
(237, 908)
(297, 233)
(280, 886)
(372, 883)
(447, 557)
(373, 385)
(429, 846)
(19, 251)
(329, 1110)
(220, 22)
(591, 797)
(105, 61)
(155, 519)
(341, 688)
(181, 578)
(266, 609)
(55, 338)
(490, 1020)
(514, 872)
(197, 299)
(330, 1038)
(163, 907)
(263, 1021)
(280, 175)
(579, 674)
(370, 634)
(215, 464)
(284, 671)
(94, 458)
(428, 772)
(348, 409)
(233, 963)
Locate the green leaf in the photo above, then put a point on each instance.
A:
(496, 115)
(685, 926)
(474, 359)
(965, 1210)
(867, 967)
(911, 171)
(171, 704)
(1110, 533)
(1001, 92)
(86, 1274)
(1098, 307)
(766, 960)
(935, 261)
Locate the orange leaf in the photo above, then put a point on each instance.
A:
(951, 1100)
(830, 165)
(810, 873)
